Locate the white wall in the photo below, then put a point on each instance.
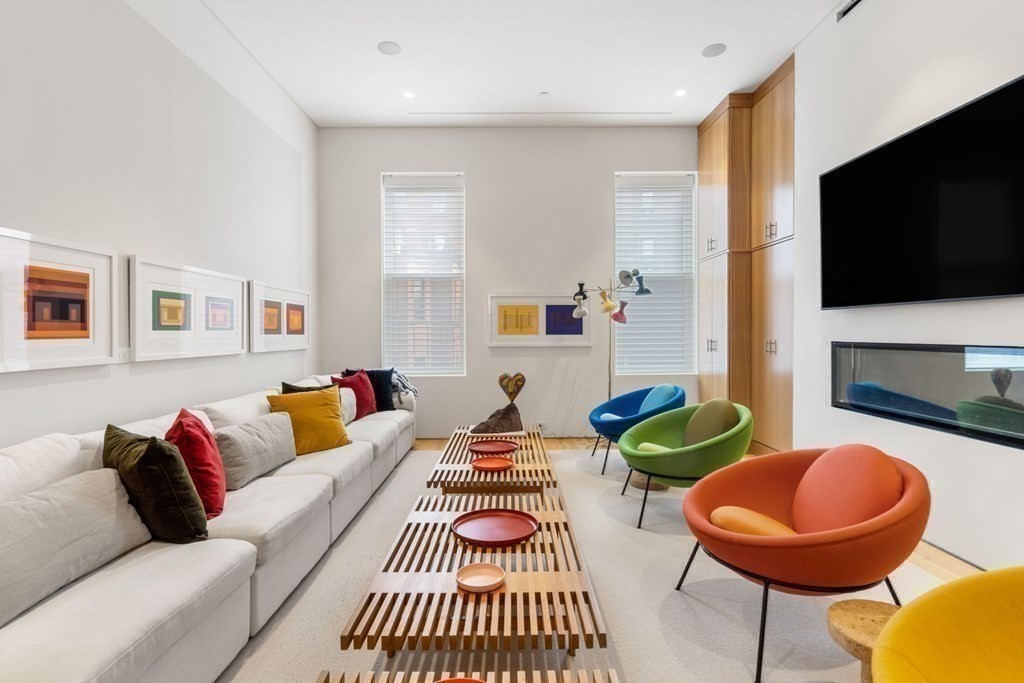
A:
(112, 136)
(539, 205)
(887, 68)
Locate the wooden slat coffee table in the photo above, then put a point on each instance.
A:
(414, 603)
(590, 676)
(454, 472)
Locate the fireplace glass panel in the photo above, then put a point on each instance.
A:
(976, 391)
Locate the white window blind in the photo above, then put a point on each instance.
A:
(424, 311)
(654, 232)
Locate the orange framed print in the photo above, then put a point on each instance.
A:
(279, 318)
(58, 303)
(184, 312)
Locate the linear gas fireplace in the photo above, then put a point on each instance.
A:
(974, 391)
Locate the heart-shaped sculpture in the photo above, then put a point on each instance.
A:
(512, 384)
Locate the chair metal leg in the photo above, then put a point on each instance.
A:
(686, 570)
(643, 506)
(892, 592)
(626, 483)
(596, 444)
(760, 639)
(606, 451)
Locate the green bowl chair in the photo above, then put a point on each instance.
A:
(681, 465)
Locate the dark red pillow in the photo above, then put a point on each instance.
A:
(198, 449)
(359, 383)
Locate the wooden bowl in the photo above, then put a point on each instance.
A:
(480, 577)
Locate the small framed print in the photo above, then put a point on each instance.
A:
(58, 303)
(184, 312)
(279, 318)
(536, 320)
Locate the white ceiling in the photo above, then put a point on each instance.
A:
(483, 62)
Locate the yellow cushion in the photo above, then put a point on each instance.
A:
(965, 630)
(316, 419)
(647, 447)
(744, 521)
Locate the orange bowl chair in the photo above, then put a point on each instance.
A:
(857, 515)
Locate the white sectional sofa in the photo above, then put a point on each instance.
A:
(164, 612)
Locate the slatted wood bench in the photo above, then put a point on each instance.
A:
(591, 676)
(454, 472)
(414, 603)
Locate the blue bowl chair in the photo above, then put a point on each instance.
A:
(612, 418)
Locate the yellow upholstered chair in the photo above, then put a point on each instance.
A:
(966, 630)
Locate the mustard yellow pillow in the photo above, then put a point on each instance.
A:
(648, 447)
(744, 521)
(316, 419)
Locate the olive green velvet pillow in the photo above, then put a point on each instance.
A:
(712, 419)
(158, 485)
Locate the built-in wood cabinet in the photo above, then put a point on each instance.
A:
(771, 159)
(723, 327)
(745, 256)
(771, 369)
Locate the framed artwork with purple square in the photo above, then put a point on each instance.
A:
(559, 320)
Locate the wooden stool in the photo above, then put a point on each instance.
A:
(855, 625)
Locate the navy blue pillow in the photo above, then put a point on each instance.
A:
(380, 380)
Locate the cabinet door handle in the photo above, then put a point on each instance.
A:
(773, 229)
(766, 346)
(767, 232)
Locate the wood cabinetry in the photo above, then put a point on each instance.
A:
(723, 167)
(723, 327)
(771, 158)
(771, 369)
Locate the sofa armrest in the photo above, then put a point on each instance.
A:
(404, 400)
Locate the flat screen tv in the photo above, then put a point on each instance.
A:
(937, 214)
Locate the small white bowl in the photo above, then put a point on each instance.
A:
(480, 577)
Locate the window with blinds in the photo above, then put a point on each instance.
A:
(424, 248)
(654, 232)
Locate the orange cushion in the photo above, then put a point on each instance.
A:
(846, 485)
(744, 521)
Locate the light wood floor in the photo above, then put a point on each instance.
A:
(933, 560)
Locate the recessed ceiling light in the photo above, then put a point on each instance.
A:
(543, 93)
(409, 95)
(714, 50)
(389, 48)
(680, 93)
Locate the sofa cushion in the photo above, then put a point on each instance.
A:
(348, 397)
(202, 458)
(381, 433)
(253, 448)
(382, 380)
(271, 511)
(342, 465)
(113, 624)
(52, 536)
(38, 463)
(846, 485)
(362, 389)
(710, 420)
(235, 411)
(92, 442)
(402, 418)
(316, 419)
(158, 485)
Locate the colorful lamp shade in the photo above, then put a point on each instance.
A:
(608, 305)
(626, 277)
(641, 290)
(580, 311)
(582, 293)
(619, 316)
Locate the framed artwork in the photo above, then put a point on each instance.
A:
(58, 303)
(536, 320)
(279, 318)
(184, 312)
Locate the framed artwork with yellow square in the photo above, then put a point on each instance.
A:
(279, 318)
(535, 320)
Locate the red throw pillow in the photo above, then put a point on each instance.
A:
(198, 449)
(359, 383)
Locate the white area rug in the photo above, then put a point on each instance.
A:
(706, 633)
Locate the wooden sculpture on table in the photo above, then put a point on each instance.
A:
(505, 419)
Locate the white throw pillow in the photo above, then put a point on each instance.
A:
(253, 448)
(50, 537)
(348, 404)
(235, 411)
